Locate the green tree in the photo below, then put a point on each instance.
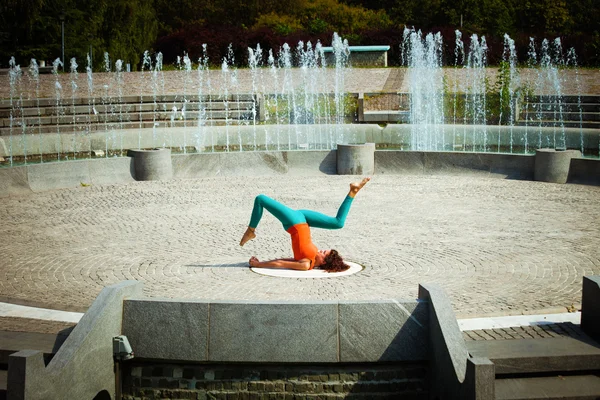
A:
(129, 28)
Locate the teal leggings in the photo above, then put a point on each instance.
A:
(289, 217)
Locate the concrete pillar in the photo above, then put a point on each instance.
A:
(356, 159)
(152, 165)
(361, 107)
(553, 165)
(590, 306)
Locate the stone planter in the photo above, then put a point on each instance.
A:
(152, 165)
(356, 159)
(553, 165)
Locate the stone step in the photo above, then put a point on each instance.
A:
(84, 128)
(116, 117)
(585, 98)
(562, 116)
(68, 101)
(572, 107)
(102, 108)
(566, 124)
(578, 387)
(539, 355)
(48, 343)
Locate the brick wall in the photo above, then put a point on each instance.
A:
(262, 382)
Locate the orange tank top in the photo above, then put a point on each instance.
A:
(302, 245)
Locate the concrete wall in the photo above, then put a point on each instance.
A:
(303, 137)
(195, 348)
(103, 171)
(512, 166)
(166, 334)
(63, 175)
(317, 332)
(456, 375)
(83, 366)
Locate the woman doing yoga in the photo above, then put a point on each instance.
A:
(297, 223)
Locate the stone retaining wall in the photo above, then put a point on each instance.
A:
(256, 381)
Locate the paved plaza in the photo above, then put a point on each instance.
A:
(496, 246)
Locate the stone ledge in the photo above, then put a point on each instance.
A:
(315, 332)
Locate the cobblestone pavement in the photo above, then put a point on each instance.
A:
(542, 331)
(496, 246)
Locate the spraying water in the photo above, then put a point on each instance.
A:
(422, 56)
(34, 75)
(509, 84)
(74, 76)
(91, 100)
(59, 109)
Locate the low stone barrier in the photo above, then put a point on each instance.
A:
(553, 165)
(356, 159)
(83, 367)
(20, 180)
(590, 306)
(152, 164)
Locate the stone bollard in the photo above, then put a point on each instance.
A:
(553, 165)
(356, 159)
(152, 165)
(590, 306)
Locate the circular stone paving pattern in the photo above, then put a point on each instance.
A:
(496, 246)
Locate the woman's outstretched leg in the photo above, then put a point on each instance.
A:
(284, 214)
(320, 220)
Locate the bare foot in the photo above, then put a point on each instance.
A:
(248, 235)
(356, 186)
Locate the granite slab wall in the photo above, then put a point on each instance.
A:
(309, 332)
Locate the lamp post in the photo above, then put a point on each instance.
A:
(62, 22)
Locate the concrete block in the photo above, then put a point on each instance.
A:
(25, 373)
(553, 165)
(273, 332)
(356, 159)
(166, 329)
(152, 165)
(383, 331)
(590, 306)
(480, 380)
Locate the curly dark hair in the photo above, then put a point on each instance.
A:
(334, 262)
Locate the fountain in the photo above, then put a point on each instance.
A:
(291, 99)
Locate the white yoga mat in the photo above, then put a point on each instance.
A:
(313, 273)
